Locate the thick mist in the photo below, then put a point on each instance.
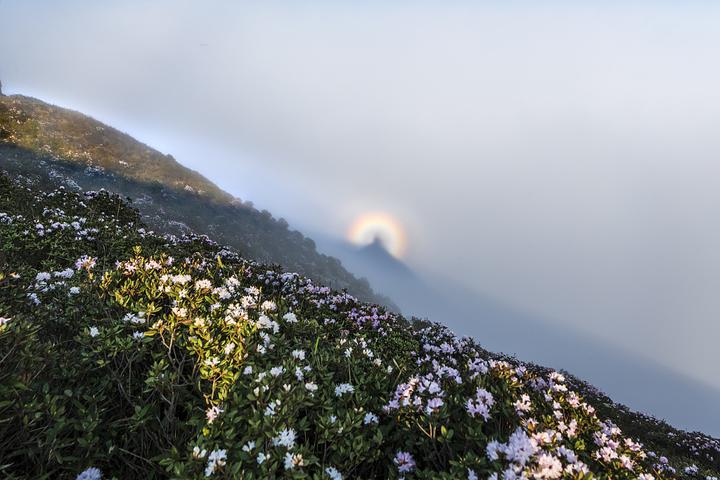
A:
(624, 375)
(562, 160)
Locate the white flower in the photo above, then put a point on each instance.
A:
(370, 418)
(311, 386)
(229, 348)
(433, 405)
(67, 273)
(548, 467)
(218, 455)
(85, 262)
(286, 438)
(343, 388)
(43, 277)
(94, 332)
(481, 404)
(248, 370)
(523, 405)
(299, 354)
(197, 453)
(607, 454)
(213, 412)
(203, 285)
(404, 461)
(691, 470)
(492, 449)
(290, 317)
(270, 409)
(268, 306)
(628, 464)
(433, 388)
(3, 321)
(265, 323)
(215, 459)
(569, 455)
(260, 458)
(292, 461)
(74, 290)
(91, 473)
(180, 279)
(222, 292)
(249, 446)
(518, 449)
(138, 335)
(333, 473)
(276, 371)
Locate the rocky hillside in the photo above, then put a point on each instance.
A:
(44, 142)
(126, 354)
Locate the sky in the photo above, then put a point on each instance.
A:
(561, 156)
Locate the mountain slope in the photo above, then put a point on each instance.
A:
(388, 275)
(142, 356)
(46, 142)
(628, 377)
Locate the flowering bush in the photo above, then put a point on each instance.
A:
(130, 355)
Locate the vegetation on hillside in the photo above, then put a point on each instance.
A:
(43, 142)
(125, 354)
